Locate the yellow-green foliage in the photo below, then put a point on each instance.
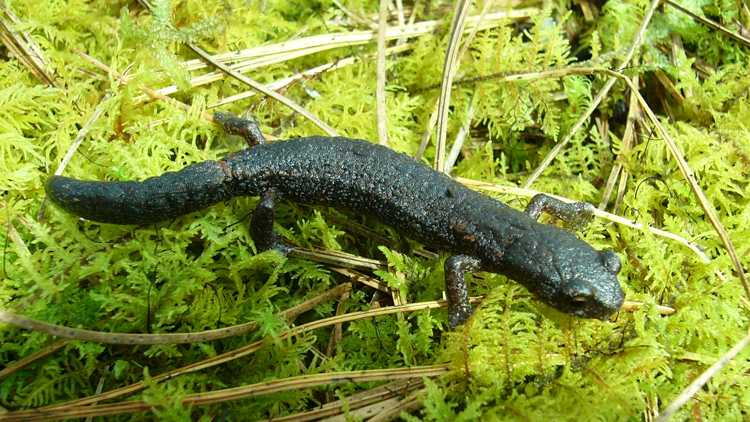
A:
(516, 360)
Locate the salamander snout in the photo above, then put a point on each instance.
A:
(593, 292)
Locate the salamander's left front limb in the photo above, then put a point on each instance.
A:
(234, 125)
(459, 307)
(575, 216)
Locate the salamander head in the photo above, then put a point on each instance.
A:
(565, 272)
(588, 286)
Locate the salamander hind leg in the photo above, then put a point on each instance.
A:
(234, 125)
(575, 216)
(459, 307)
(261, 226)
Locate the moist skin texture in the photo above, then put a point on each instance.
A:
(483, 234)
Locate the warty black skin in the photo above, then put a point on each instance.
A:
(483, 234)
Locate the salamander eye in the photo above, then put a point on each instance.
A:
(578, 302)
(578, 295)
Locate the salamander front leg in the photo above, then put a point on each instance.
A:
(261, 226)
(575, 216)
(247, 129)
(456, 268)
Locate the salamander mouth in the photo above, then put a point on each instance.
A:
(595, 308)
(601, 315)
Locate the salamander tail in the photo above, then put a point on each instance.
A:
(156, 199)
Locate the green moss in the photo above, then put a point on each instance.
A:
(518, 359)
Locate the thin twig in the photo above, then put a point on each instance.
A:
(356, 401)
(85, 129)
(353, 16)
(479, 22)
(151, 93)
(170, 338)
(340, 259)
(466, 126)
(629, 305)
(463, 133)
(328, 67)
(24, 48)
(380, 88)
(711, 24)
(449, 72)
(33, 358)
(262, 89)
(702, 380)
(628, 139)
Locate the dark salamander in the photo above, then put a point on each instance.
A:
(483, 234)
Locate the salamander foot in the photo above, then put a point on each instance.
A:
(234, 125)
(261, 226)
(575, 216)
(459, 307)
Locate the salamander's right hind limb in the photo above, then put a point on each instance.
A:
(261, 226)
(459, 307)
(247, 129)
